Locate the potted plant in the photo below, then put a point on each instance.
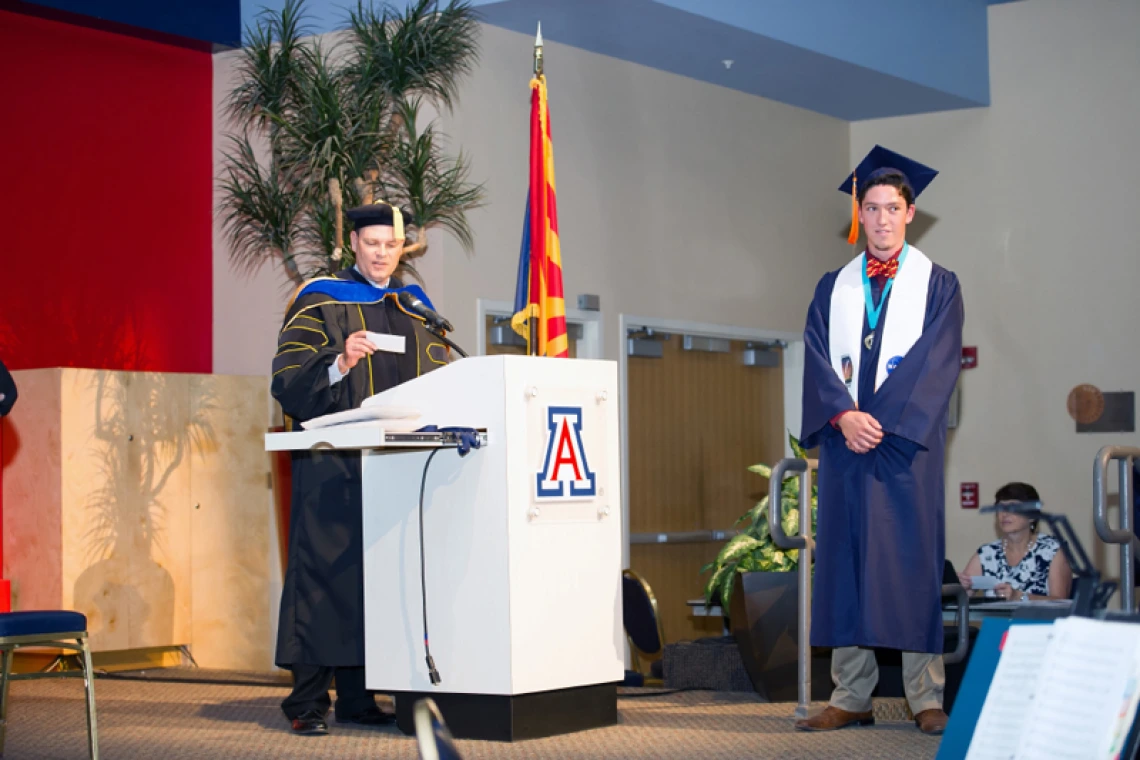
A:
(324, 126)
(755, 583)
(753, 550)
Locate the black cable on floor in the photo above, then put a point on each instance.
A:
(663, 693)
(208, 681)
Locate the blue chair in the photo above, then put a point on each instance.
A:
(432, 736)
(46, 628)
(643, 627)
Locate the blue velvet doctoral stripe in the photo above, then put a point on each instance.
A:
(347, 291)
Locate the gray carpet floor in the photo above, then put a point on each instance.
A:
(171, 720)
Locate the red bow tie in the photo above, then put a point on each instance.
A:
(876, 268)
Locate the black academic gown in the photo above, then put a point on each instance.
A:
(322, 602)
(880, 542)
(8, 388)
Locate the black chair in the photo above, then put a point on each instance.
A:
(643, 627)
(432, 737)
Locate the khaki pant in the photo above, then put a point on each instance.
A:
(856, 673)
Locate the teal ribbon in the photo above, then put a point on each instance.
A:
(873, 310)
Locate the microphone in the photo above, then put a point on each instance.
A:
(416, 306)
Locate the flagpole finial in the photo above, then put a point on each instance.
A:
(538, 51)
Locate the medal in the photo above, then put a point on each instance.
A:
(869, 340)
(874, 311)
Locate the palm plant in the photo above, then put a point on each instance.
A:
(325, 126)
(753, 549)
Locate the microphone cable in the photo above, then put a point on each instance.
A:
(433, 674)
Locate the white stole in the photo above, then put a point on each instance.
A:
(905, 317)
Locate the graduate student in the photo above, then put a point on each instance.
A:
(883, 346)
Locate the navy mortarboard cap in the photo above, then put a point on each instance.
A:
(880, 161)
(378, 213)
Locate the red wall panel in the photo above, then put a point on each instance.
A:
(105, 200)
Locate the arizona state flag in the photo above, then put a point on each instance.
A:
(538, 293)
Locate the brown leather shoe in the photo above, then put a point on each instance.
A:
(833, 718)
(931, 722)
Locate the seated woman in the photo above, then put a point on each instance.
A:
(1027, 565)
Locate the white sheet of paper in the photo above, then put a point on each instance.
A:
(983, 582)
(1087, 696)
(393, 344)
(387, 415)
(1011, 693)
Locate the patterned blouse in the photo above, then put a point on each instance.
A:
(1031, 575)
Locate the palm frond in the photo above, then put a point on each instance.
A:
(272, 62)
(436, 188)
(259, 212)
(346, 113)
(422, 53)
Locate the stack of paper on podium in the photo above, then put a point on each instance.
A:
(388, 417)
(1066, 690)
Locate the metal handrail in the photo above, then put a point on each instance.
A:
(1124, 535)
(805, 544)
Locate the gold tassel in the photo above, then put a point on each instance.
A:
(397, 224)
(853, 234)
(338, 216)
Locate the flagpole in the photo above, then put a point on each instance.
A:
(534, 318)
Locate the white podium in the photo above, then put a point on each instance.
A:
(522, 545)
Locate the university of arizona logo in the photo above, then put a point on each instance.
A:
(565, 473)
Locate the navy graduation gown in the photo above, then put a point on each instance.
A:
(880, 543)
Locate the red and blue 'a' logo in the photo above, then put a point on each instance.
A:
(565, 473)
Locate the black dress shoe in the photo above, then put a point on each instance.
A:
(310, 723)
(369, 718)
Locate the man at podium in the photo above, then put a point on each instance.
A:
(328, 361)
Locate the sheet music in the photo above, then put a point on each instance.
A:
(1011, 694)
(1086, 699)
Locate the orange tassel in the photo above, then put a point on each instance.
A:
(853, 235)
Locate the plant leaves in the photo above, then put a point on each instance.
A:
(350, 112)
(713, 585)
(737, 547)
(797, 449)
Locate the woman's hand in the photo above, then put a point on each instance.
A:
(966, 581)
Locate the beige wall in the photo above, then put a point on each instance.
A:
(248, 307)
(677, 199)
(1036, 211)
(682, 200)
